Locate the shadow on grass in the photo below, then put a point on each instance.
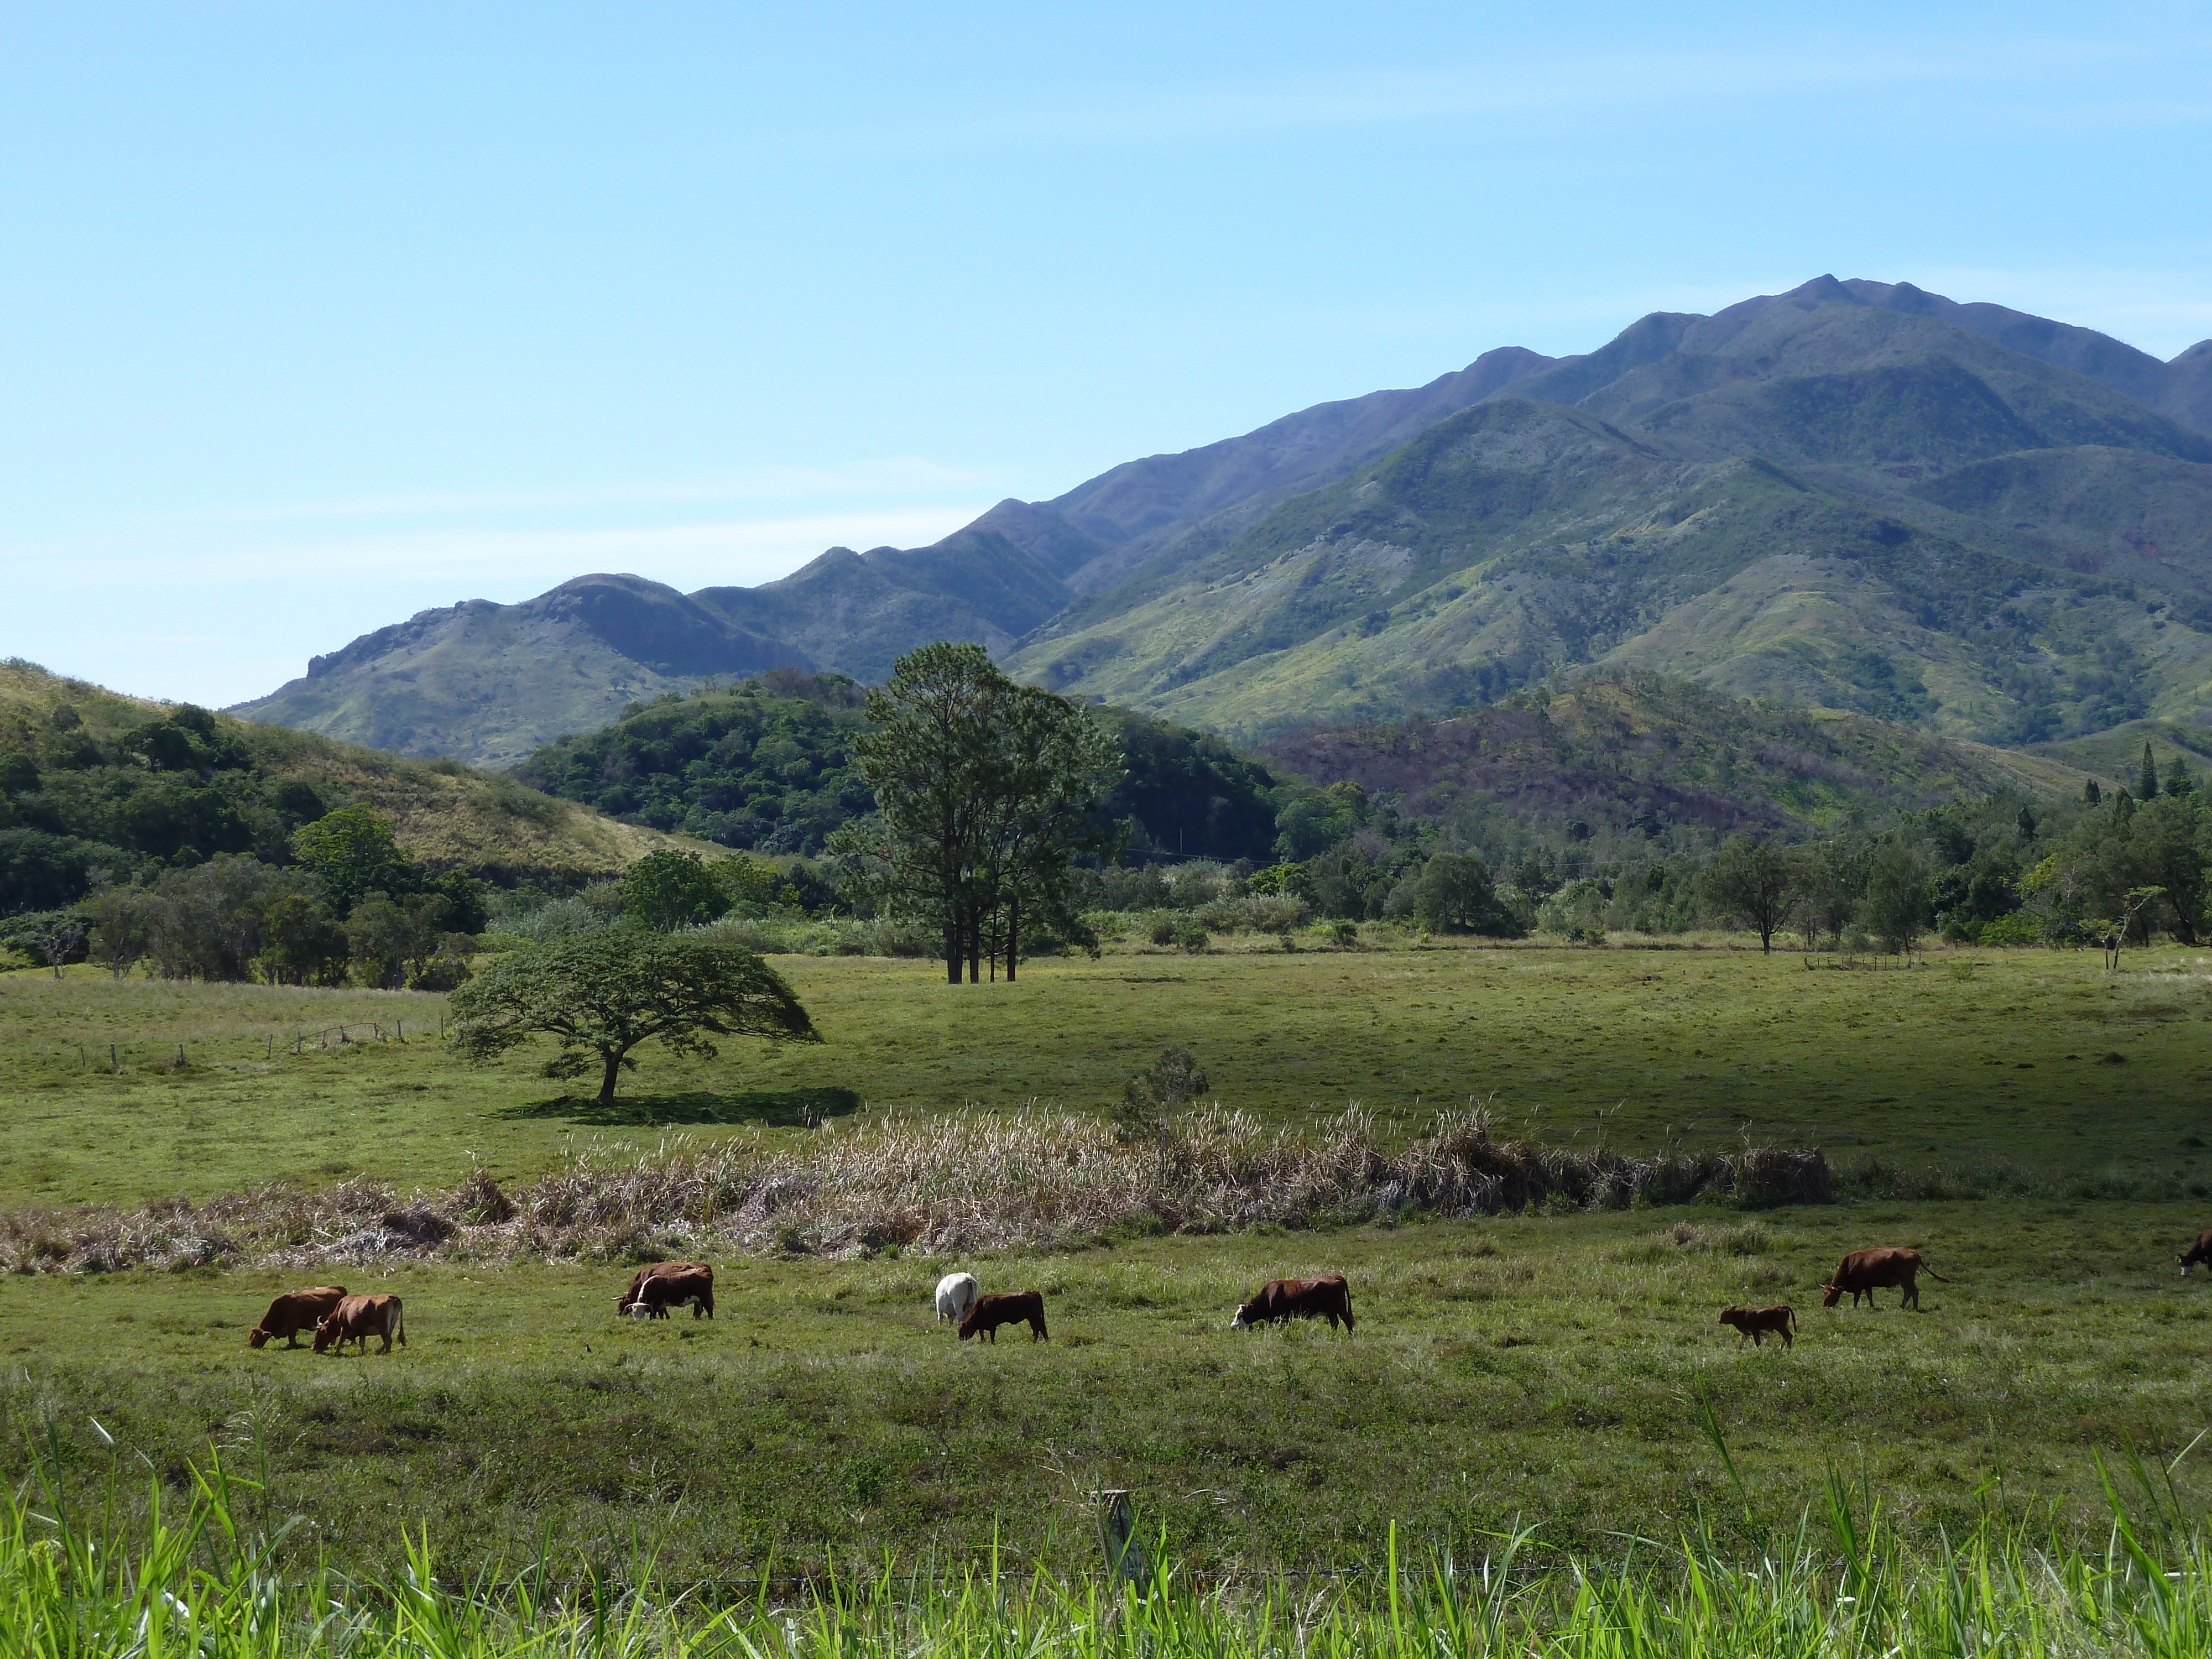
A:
(776, 1109)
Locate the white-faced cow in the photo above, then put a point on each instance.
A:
(1280, 1299)
(956, 1294)
(627, 1303)
(2200, 1251)
(662, 1291)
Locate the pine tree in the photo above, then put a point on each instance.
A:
(2146, 783)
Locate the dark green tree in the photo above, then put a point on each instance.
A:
(2178, 780)
(1752, 880)
(2147, 775)
(2090, 794)
(302, 943)
(671, 889)
(1897, 895)
(1053, 766)
(1454, 894)
(353, 851)
(599, 995)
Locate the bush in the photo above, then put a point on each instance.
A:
(1162, 926)
(1257, 913)
(2017, 928)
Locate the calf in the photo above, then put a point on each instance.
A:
(1864, 1271)
(627, 1302)
(1758, 1323)
(663, 1291)
(1279, 1299)
(295, 1311)
(360, 1317)
(2200, 1251)
(956, 1294)
(1005, 1308)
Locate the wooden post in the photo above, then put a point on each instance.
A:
(1117, 1527)
(113, 1064)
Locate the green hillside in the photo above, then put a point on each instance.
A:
(1824, 503)
(1639, 753)
(92, 781)
(765, 765)
(1853, 495)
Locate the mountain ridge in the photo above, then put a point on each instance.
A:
(2036, 457)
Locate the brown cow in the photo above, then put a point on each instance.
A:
(2200, 1251)
(1864, 1271)
(295, 1311)
(1005, 1308)
(1758, 1323)
(661, 1292)
(628, 1298)
(360, 1317)
(1297, 1299)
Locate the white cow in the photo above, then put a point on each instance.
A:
(956, 1294)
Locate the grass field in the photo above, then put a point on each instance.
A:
(2034, 1057)
(1543, 1369)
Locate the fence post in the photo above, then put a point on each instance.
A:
(1117, 1527)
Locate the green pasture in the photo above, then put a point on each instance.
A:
(2034, 1057)
(1544, 1370)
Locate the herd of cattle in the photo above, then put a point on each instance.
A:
(336, 1318)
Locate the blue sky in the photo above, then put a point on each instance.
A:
(314, 317)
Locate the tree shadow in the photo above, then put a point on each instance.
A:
(775, 1109)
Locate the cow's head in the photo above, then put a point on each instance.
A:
(639, 1308)
(1830, 1295)
(325, 1328)
(1244, 1322)
(1730, 1316)
(257, 1336)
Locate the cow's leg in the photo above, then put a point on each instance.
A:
(1784, 1334)
(292, 1336)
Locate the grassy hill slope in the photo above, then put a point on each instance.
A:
(1627, 751)
(153, 783)
(1817, 501)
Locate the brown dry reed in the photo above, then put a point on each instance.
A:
(933, 1186)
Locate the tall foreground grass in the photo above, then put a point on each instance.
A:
(194, 1578)
(933, 1184)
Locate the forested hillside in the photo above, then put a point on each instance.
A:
(765, 765)
(91, 782)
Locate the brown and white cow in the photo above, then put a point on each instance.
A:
(659, 1292)
(629, 1299)
(357, 1318)
(2200, 1251)
(1864, 1271)
(1005, 1308)
(1279, 1299)
(1759, 1323)
(295, 1311)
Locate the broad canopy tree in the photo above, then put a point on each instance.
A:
(1753, 879)
(599, 995)
(982, 788)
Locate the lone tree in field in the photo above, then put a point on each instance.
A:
(599, 995)
(1752, 880)
(983, 791)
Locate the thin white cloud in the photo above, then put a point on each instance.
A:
(906, 476)
(742, 551)
(1613, 81)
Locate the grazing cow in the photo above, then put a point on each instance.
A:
(295, 1311)
(2200, 1251)
(1297, 1299)
(627, 1302)
(661, 1291)
(1005, 1308)
(956, 1294)
(1758, 1323)
(1864, 1271)
(360, 1317)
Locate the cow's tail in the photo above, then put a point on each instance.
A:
(399, 1323)
(1931, 1273)
(1792, 1312)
